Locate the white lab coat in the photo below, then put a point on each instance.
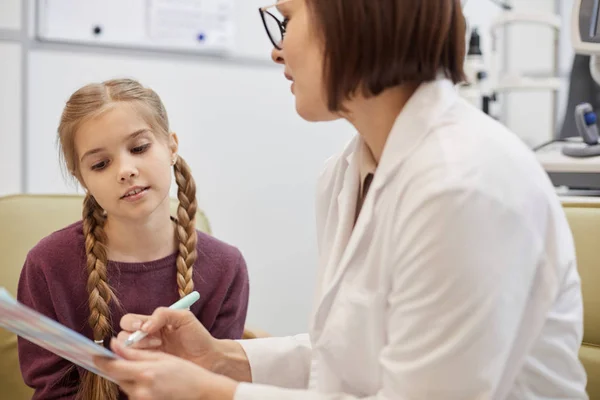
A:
(458, 280)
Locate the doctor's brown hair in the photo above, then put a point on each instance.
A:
(373, 45)
(85, 104)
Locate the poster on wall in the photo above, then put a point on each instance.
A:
(192, 22)
(202, 26)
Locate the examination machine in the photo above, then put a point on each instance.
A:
(573, 160)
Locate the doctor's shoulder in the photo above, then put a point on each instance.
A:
(467, 151)
(466, 136)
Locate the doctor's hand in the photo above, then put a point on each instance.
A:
(152, 375)
(179, 333)
(176, 332)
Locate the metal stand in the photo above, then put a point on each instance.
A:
(509, 81)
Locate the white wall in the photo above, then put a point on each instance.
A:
(10, 118)
(10, 98)
(10, 14)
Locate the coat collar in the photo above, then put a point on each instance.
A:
(417, 119)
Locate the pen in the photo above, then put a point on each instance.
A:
(181, 304)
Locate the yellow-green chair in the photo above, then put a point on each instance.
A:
(24, 220)
(584, 219)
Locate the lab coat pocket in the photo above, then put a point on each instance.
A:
(353, 338)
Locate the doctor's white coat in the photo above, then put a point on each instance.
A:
(458, 280)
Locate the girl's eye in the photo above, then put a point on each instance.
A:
(99, 166)
(140, 149)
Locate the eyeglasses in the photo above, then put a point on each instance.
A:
(274, 23)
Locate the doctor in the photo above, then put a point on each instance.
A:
(446, 266)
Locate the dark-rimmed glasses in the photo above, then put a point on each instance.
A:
(274, 23)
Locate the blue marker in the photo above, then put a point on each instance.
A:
(181, 304)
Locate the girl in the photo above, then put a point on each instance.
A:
(127, 254)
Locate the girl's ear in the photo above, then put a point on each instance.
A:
(173, 144)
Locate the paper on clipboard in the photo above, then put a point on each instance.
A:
(49, 334)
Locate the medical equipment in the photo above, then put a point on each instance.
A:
(474, 89)
(505, 81)
(585, 119)
(574, 162)
(487, 80)
(569, 172)
(514, 80)
(585, 32)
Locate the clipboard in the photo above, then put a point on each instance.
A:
(49, 334)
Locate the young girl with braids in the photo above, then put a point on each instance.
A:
(128, 254)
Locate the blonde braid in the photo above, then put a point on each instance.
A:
(186, 226)
(100, 294)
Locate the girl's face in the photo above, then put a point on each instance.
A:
(124, 164)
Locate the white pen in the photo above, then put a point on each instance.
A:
(181, 304)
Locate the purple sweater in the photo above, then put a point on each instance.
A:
(53, 282)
